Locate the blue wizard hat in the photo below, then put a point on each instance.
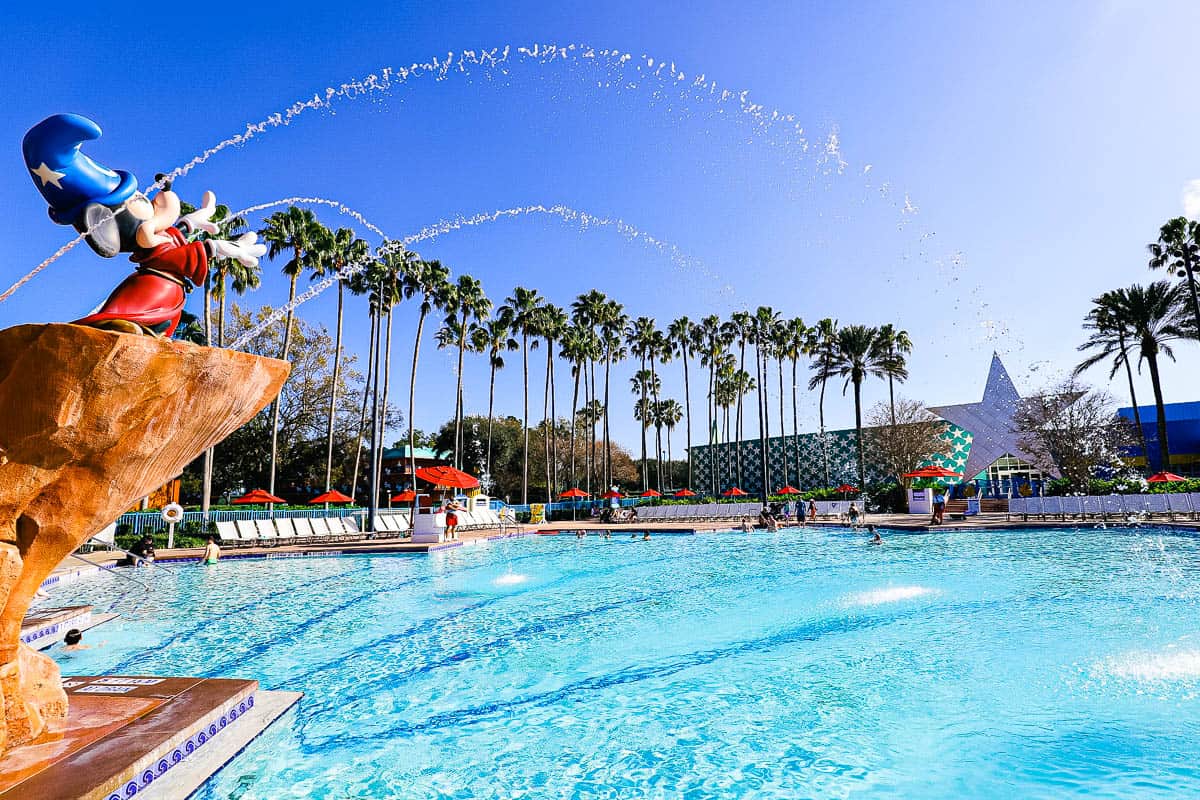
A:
(67, 178)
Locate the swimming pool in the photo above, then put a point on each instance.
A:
(799, 664)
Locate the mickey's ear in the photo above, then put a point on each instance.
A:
(100, 230)
(161, 178)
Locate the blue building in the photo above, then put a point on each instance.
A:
(1183, 437)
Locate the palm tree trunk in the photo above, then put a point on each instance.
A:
(206, 480)
(739, 417)
(412, 391)
(892, 400)
(592, 472)
(546, 422)
(574, 407)
(387, 382)
(763, 408)
(554, 471)
(287, 351)
(795, 428)
(670, 482)
(787, 478)
(862, 464)
(491, 407)
(362, 417)
(1137, 415)
(657, 425)
(1191, 282)
(687, 410)
(337, 371)
(821, 418)
(374, 480)
(1164, 451)
(607, 441)
(642, 413)
(458, 402)
(525, 419)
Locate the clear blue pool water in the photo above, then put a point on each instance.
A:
(800, 664)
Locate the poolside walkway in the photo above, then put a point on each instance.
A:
(915, 523)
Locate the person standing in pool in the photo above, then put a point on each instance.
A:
(852, 514)
(211, 552)
(452, 508)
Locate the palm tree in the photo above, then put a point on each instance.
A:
(858, 355)
(586, 311)
(551, 324)
(668, 413)
(360, 284)
(894, 345)
(639, 336)
(789, 344)
(219, 271)
(464, 301)
(612, 321)
(341, 248)
(821, 345)
(740, 327)
(297, 231)
(1155, 317)
(1111, 337)
(574, 349)
(394, 268)
(766, 322)
(1178, 249)
(494, 338)
(710, 343)
(680, 335)
(430, 281)
(521, 310)
(642, 384)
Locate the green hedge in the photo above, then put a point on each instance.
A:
(1061, 486)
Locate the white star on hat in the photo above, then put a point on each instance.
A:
(48, 175)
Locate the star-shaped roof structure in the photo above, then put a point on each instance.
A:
(991, 420)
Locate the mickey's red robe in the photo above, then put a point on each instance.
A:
(154, 295)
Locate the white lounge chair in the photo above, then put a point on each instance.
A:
(1091, 506)
(1016, 505)
(1154, 504)
(304, 531)
(1178, 505)
(1112, 505)
(286, 530)
(227, 532)
(247, 532)
(320, 529)
(266, 531)
(1052, 507)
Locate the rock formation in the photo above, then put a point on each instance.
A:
(91, 421)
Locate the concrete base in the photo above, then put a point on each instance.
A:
(126, 734)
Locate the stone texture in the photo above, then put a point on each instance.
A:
(90, 421)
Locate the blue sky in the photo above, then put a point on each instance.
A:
(1037, 146)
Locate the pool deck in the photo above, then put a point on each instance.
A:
(908, 523)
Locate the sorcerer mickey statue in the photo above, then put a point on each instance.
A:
(115, 217)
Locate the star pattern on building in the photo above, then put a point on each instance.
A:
(991, 420)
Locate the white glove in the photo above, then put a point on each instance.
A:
(199, 220)
(245, 249)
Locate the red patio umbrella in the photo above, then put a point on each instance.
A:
(574, 493)
(846, 488)
(685, 493)
(651, 493)
(447, 476)
(407, 496)
(1165, 477)
(610, 494)
(789, 489)
(333, 496)
(734, 492)
(257, 496)
(932, 471)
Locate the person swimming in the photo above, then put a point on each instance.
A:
(646, 536)
(875, 538)
(746, 525)
(74, 640)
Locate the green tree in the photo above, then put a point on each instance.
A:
(296, 231)
(821, 346)
(1178, 250)
(464, 301)
(1111, 337)
(340, 249)
(520, 310)
(894, 345)
(857, 356)
(493, 337)
(680, 335)
(430, 281)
